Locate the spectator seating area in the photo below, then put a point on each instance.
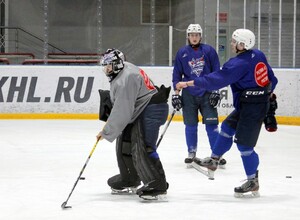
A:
(52, 59)
(4, 61)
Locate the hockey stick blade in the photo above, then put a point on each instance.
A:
(207, 172)
(64, 206)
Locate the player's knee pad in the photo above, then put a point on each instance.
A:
(245, 150)
(211, 128)
(227, 131)
(224, 140)
(152, 153)
(149, 169)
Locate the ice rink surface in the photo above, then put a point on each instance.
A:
(41, 160)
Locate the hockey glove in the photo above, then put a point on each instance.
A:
(270, 120)
(177, 102)
(105, 105)
(214, 99)
(99, 137)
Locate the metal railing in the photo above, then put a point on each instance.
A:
(16, 39)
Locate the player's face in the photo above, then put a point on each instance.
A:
(107, 69)
(194, 38)
(235, 46)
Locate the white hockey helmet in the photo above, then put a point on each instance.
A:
(115, 58)
(193, 28)
(244, 36)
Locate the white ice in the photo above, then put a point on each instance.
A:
(40, 161)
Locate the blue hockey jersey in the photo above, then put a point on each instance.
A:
(247, 70)
(193, 63)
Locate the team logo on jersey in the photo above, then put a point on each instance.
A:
(147, 81)
(261, 74)
(197, 65)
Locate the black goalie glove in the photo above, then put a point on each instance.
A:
(105, 105)
(214, 99)
(270, 120)
(177, 102)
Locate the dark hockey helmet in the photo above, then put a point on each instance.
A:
(115, 58)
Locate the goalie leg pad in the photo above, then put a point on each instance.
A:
(149, 169)
(128, 176)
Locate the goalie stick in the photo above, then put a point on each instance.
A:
(64, 204)
(169, 122)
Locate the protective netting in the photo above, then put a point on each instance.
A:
(140, 28)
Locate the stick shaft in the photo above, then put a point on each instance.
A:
(81, 172)
(165, 129)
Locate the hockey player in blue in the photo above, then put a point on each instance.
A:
(252, 82)
(193, 61)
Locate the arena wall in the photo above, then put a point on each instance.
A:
(71, 92)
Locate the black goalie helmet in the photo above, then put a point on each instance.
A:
(115, 58)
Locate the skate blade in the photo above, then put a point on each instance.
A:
(189, 166)
(251, 194)
(156, 198)
(207, 172)
(222, 167)
(125, 191)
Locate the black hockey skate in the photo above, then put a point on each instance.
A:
(119, 186)
(148, 193)
(249, 189)
(211, 164)
(189, 160)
